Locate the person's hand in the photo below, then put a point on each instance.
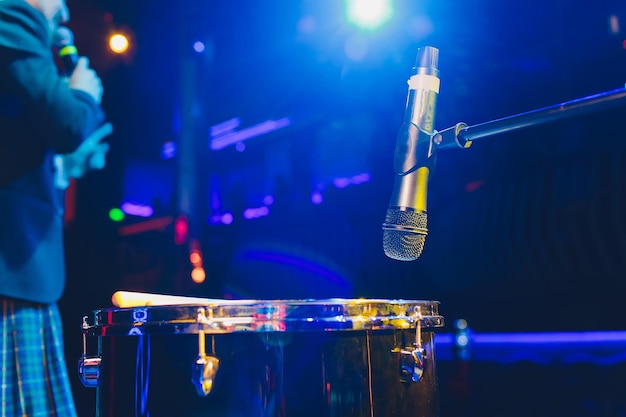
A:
(90, 155)
(85, 79)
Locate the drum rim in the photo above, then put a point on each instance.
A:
(230, 316)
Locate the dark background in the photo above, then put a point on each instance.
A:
(526, 229)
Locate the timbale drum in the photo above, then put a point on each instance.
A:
(276, 358)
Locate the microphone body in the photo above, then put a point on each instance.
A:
(66, 50)
(405, 226)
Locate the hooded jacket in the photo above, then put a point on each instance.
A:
(39, 116)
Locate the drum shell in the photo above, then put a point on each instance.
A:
(283, 374)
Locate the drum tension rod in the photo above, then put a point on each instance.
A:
(412, 358)
(205, 366)
(88, 366)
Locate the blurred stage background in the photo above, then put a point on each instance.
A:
(271, 126)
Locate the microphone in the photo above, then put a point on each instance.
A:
(405, 226)
(66, 50)
(63, 40)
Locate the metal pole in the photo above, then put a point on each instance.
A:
(579, 106)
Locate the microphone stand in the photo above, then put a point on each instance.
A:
(461, 135)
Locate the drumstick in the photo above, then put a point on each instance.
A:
(126, 299)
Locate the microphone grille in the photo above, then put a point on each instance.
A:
(404, 233)
(63, 36)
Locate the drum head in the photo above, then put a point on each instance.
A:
(227, 316)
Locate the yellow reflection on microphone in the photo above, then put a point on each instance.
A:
(422, 188)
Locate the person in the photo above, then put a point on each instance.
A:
(43, 115)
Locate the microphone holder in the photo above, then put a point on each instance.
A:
(461, 135)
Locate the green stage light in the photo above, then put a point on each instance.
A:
(116, 215)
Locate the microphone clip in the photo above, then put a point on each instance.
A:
(452, 138)
(414, 148)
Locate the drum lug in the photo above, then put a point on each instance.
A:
(412, 358)
(203, 374)
(205, 366)
(411, 365)
(88, 366)
(89, 370)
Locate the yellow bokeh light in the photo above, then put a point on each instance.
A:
(118, 43)
(198, 275)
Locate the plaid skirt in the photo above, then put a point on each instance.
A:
(34, 376)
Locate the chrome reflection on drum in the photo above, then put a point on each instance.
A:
(332, 357)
